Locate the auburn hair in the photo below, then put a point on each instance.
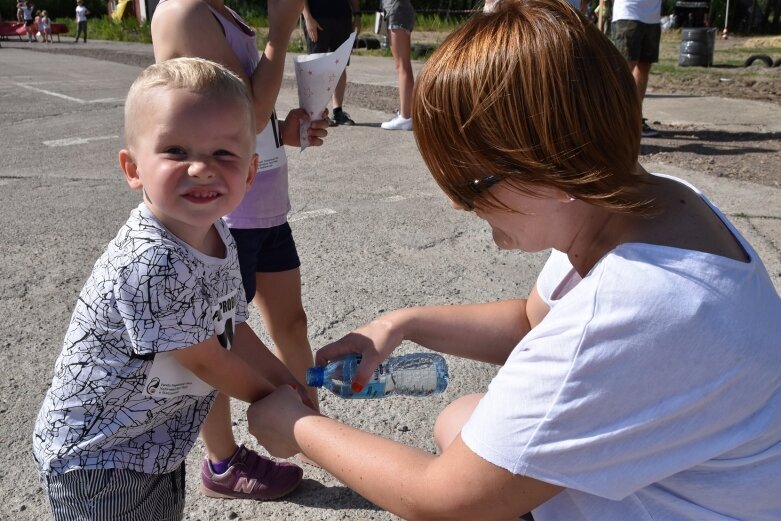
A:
(534, 93)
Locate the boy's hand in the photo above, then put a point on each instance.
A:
(282, 19)
(291, 127)
(303, 395)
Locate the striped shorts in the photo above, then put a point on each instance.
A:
(116, 495)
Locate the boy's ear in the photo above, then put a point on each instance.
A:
(130, 169)
(253, 168)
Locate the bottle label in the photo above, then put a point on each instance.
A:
(373, 389)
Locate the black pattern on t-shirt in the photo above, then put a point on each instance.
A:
(148, 293)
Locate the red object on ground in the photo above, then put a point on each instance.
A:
(9, 29)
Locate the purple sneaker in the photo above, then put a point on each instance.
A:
(250, 476)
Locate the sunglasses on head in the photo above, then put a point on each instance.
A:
(477, 187)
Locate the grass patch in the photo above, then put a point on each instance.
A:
(431, 23)
(728, 54)
(105, 28)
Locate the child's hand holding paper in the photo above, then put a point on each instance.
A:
(317, 76)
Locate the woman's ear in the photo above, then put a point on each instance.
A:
(130, 169)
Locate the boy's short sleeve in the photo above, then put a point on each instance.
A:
(163, 303)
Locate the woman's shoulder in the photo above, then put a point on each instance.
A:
(690, 221)
(178, 9)
(652, 265)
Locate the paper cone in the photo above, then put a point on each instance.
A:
(317, 76)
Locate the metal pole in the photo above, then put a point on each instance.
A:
(601, 15)
(725, 33)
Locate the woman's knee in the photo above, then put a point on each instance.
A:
(452, 419)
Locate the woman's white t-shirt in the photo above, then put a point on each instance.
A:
(650, 391)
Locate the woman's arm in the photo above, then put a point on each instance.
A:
(188, 28)
(266, 81)
(408, 482)
(484, 332)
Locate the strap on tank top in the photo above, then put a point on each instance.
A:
(222, 19)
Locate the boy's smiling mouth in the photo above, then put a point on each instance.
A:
(201, 195)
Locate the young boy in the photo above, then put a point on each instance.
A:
(160, 322)
(268, 257)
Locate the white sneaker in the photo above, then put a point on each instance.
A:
(398, 123)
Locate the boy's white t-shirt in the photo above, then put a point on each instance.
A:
(118, 397)
(650, 391)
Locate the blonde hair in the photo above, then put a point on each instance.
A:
(533, 93)
(192, 74)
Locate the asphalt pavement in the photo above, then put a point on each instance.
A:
(373, 231)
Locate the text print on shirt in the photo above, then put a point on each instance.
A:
(268, 145)
(168, 378)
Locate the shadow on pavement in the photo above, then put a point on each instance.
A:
(710, 142)
(312, 493)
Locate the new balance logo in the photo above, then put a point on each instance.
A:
(244, 485)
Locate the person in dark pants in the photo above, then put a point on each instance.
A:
(81, 20)
(328, 24)
(28, 10)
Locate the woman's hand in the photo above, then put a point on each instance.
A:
(374, 342)
(272, 419)
(291, 126)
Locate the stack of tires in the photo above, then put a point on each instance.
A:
(697, 45)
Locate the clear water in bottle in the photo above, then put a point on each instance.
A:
(417, 374)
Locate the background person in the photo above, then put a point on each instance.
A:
(400, 17)
(328, 24)
(81, 21)
(269, 262)
(636, 30)
(639, 379)
(45, 26)
(28, 15)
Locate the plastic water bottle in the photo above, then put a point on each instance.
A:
(418, 374)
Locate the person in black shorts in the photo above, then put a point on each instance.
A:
(328, 24)
(636, 31)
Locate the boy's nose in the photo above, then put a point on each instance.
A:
(200, 169)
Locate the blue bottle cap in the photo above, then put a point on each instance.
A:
(314, 376)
